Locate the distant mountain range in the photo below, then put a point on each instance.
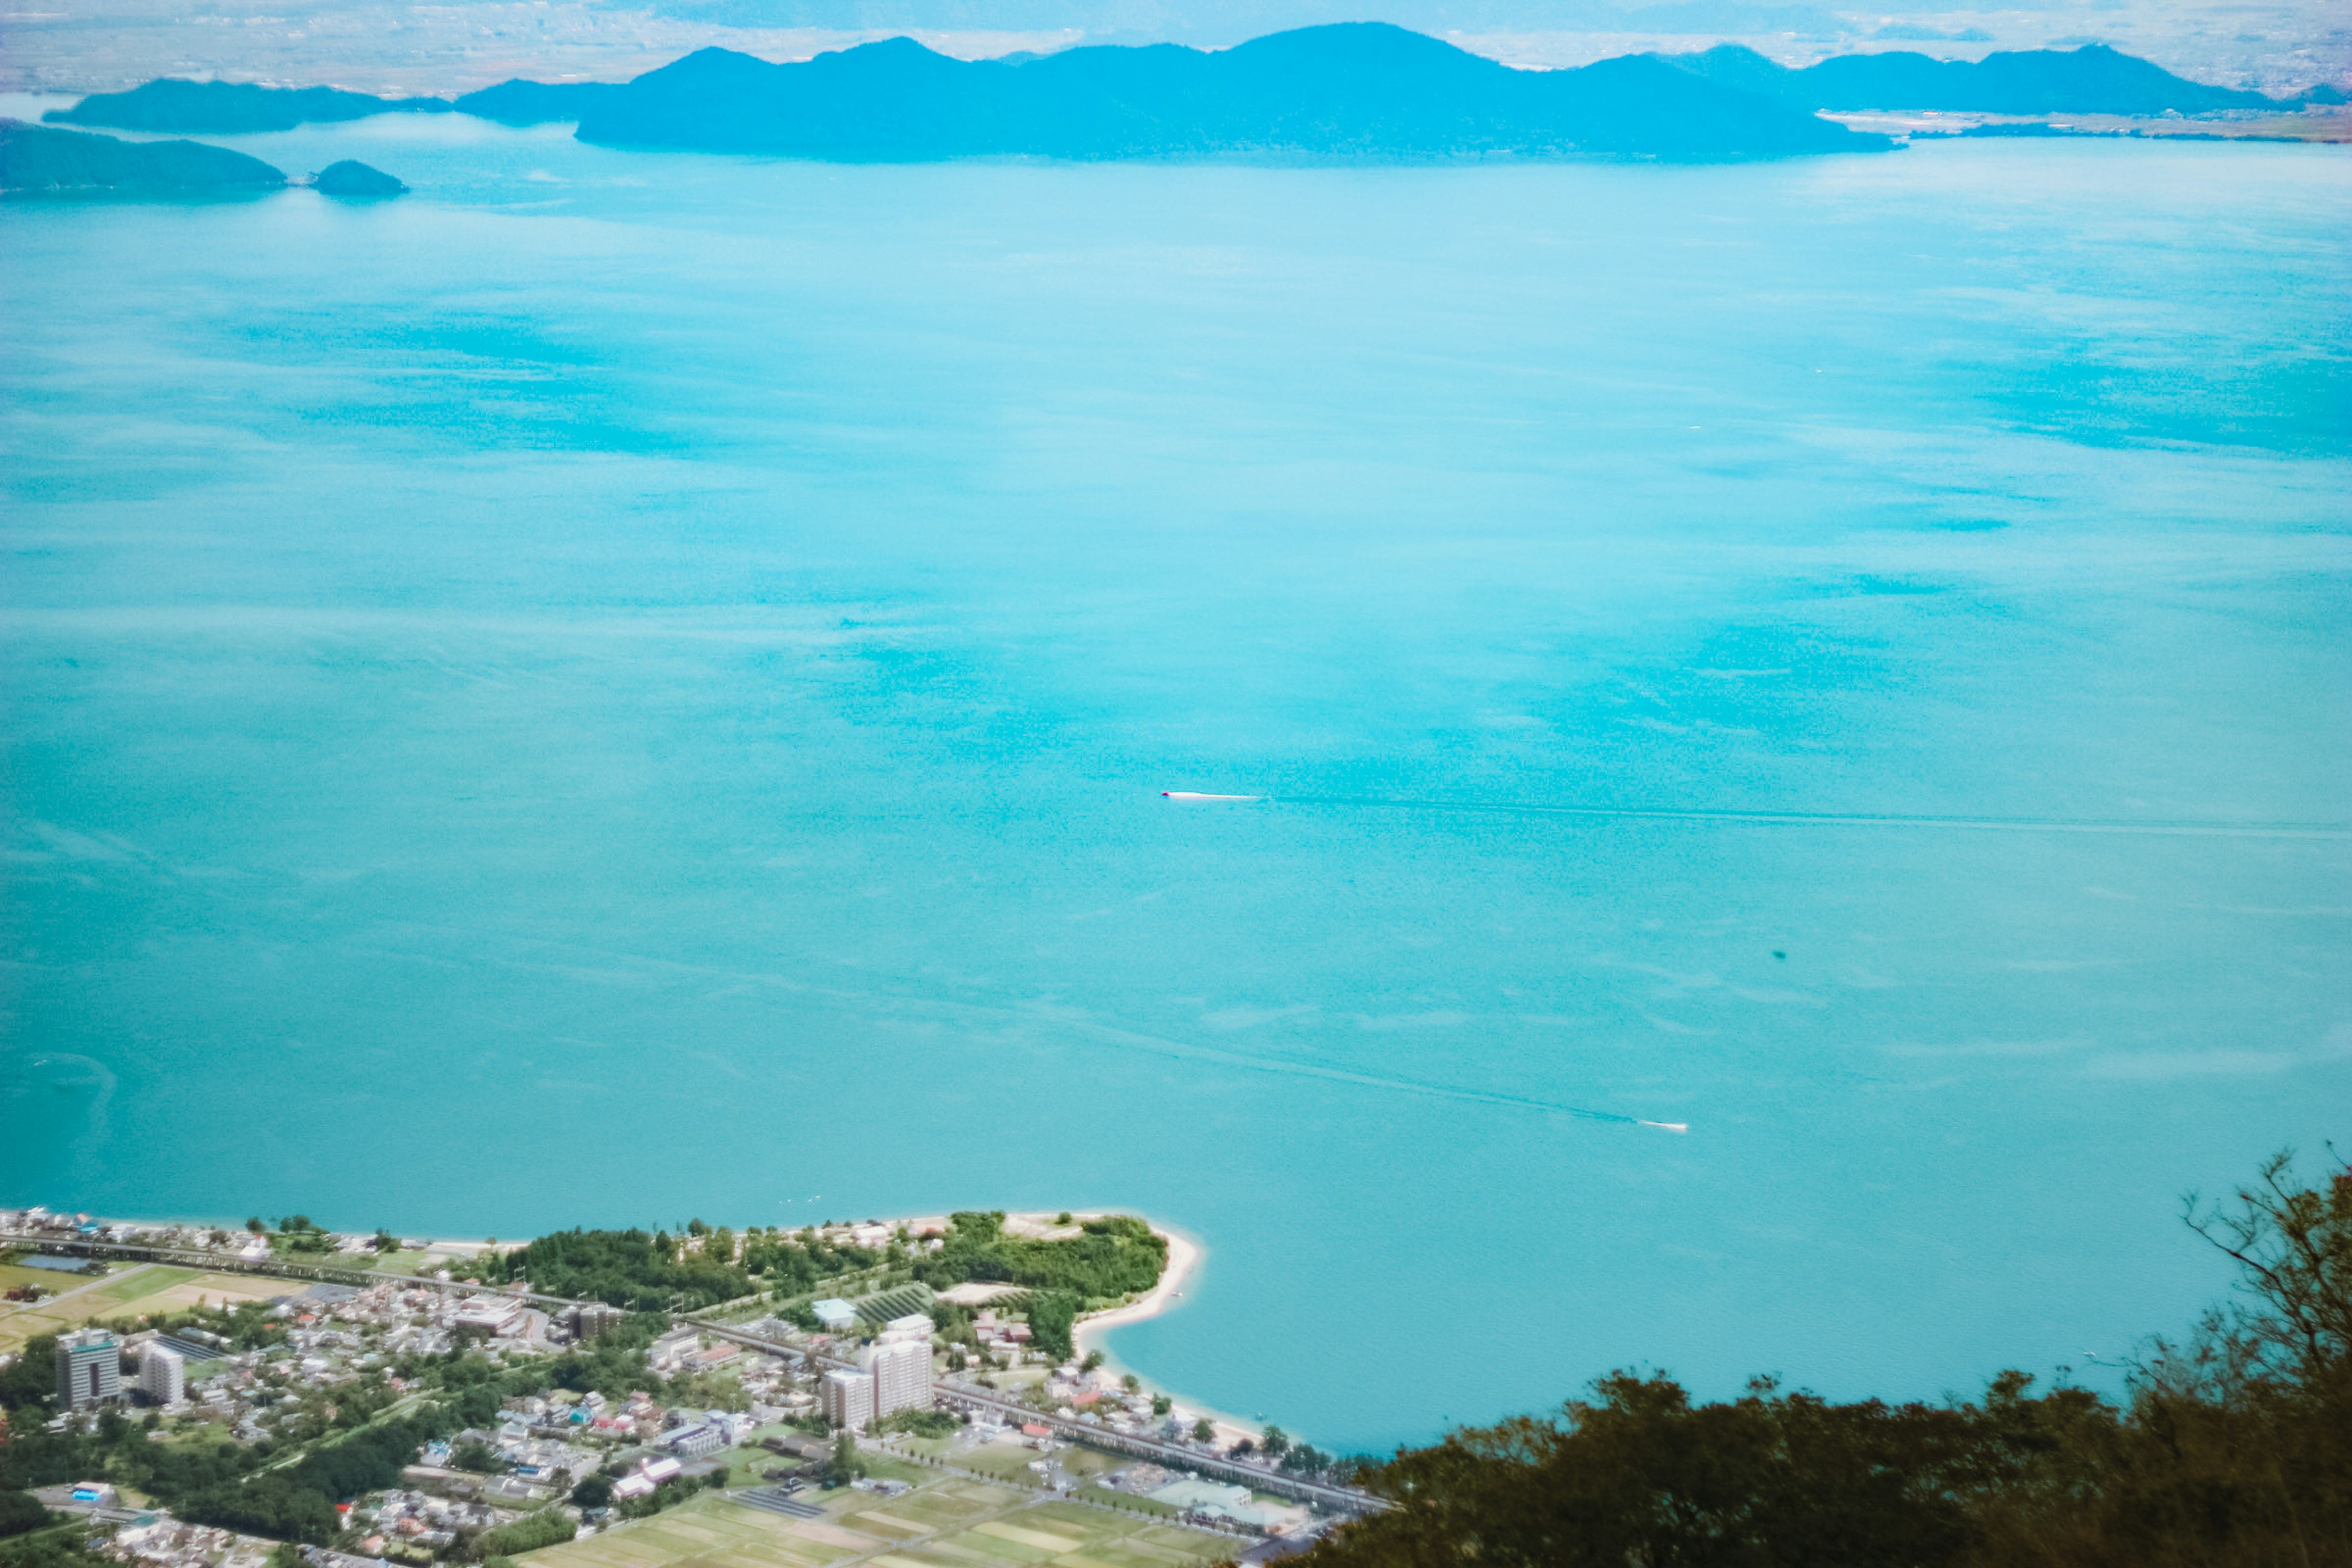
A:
(1359, 89)
(1217, 22)
(231, 109)
(37, 158)
(1346, 90)
(2094, 80)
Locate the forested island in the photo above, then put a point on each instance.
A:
(349, 177)
(35, 158)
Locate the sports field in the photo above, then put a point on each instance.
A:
(143, 1288)
(948, 1522)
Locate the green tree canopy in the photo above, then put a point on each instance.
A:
(2233, 1450)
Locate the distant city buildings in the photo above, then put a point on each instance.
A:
(163, 1374)
(838, 1316)
(90, 1369)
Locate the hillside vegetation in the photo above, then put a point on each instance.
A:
(2233, 1449)
(36, 158)
(1111, 1257)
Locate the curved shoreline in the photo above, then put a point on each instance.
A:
(1185, 1254)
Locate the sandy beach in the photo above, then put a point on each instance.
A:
(1184, 1255)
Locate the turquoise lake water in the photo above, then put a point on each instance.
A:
(622, 687)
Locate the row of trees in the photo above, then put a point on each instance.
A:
(2233, 1449)
(652, 1271)
(1111, 1258)
(655, 1270)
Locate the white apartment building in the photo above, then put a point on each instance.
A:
(901, 1371)
(163, 1374)
(848, 1398)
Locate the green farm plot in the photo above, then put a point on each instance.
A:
(13, 1275)
(949, 1523)
(1002, 1459)
(143, 1289)
(709, 1533)
(904, 1301)
(1110, 1498)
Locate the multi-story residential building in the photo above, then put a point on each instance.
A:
(163, 1374)
(901, 1371)
(848, 1398)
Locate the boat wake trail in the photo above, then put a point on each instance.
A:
(2164, 829)
(1291, 1067)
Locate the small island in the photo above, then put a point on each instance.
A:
(352, 179)
(35, 158)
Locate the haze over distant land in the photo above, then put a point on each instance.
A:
(224, 109)
(1355, 90)
(392, 48)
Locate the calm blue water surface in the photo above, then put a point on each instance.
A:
(622, 687)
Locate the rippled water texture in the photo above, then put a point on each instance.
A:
(623, 687)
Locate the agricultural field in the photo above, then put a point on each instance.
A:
(13, 1273)
(141, 1289)
(1009, 1459)
(949, 1523)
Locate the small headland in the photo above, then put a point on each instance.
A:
(35, 158)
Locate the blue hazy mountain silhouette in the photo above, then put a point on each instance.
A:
(1351, 90)
(1211, 24)
(2093, 79)
(1347, 90)
(228, 109)
(39, 158)
(535, 102)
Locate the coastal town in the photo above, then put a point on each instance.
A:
(905, 1393)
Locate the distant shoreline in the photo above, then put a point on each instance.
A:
(1186, 1254)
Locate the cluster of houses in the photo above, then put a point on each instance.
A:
(417, 1526)
(156, 1540)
